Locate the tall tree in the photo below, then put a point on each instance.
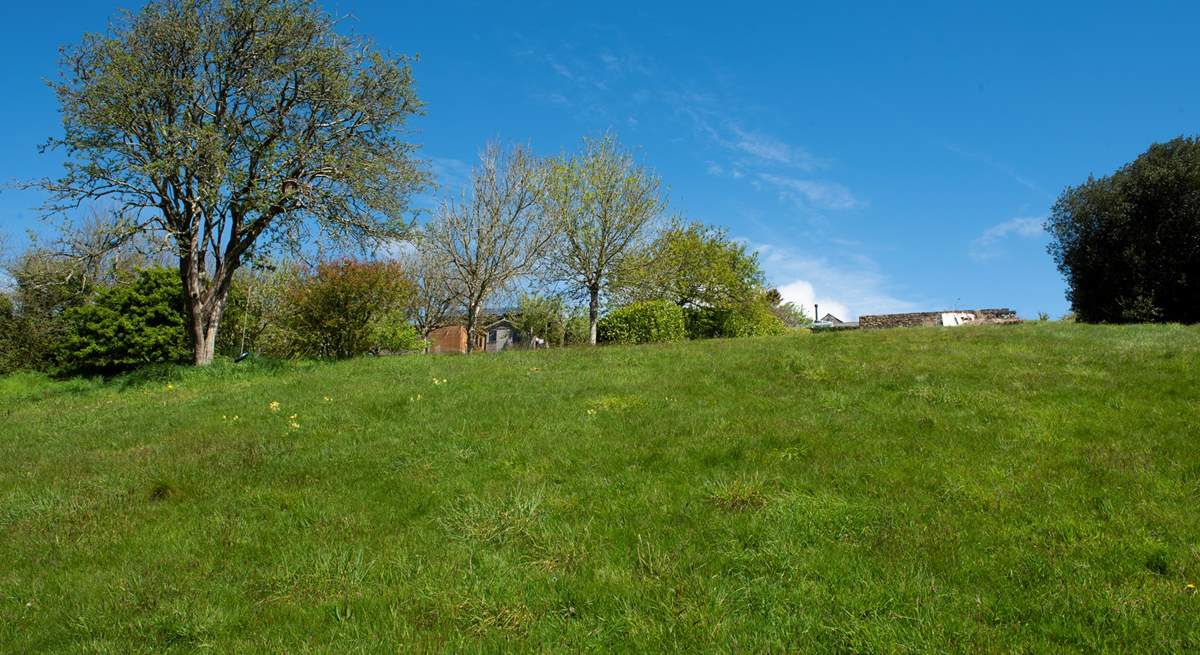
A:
(494, 233)
(601, 202)
(231, 126)
(1129, 243)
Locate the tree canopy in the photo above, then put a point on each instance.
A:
(229, 126)
(1129, 244)
(692, 265)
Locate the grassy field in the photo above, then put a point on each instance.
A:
(1028, 488)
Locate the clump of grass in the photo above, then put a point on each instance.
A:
(494, 522)
(738, 494)
(483, 617)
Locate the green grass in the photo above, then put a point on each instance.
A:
(993, 489)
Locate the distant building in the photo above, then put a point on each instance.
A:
(502, 335)
(831, 319)
(448, 339)
(495, 332)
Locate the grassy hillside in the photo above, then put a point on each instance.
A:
(974, 490)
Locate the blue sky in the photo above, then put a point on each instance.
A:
(880, 157)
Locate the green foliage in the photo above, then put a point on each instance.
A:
(649, 321)
(542, 316)
(128, 325)
(347, 308)
(272, 122)
(32, 325)
(391, 333)
(258, 311)
(717, 282)
(790, 315)
(577, 331)
(692, 265)
(1017, 489)
(1129, 243)
(600, 203)
(748, 320)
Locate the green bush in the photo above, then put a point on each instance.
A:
(131, 324)
(393, 334)
(643, 322)
(346, 308)
(752, 320)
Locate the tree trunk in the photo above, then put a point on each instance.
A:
(593, 313)
(204, 308)
(472, 308)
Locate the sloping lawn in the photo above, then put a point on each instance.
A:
(1028, 488)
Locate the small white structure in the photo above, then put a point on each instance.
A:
(952, 319)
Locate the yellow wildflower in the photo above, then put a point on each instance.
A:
(274, 405)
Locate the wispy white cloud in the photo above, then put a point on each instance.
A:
(812, 193)
(717, 170)
(770, 149)
(989, 244)
(847, 287)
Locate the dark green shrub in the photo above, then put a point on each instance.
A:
(643, 322)
(128, 325)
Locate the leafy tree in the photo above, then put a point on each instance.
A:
(494, 233)
(601, 202)
(644, 322)
(541, 316)
(128, 325)
(348, 308)
(693, 265)
(1129, 243)
(230, 127)
(790, 315)
(258, 311)
(43, 287)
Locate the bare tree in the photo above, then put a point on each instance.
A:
(600, 203)
(231, 126)
(433, 300)
(494, 233)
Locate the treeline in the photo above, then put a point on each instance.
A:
(298, 145)
(577, 243)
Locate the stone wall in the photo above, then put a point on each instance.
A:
(932, 319)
